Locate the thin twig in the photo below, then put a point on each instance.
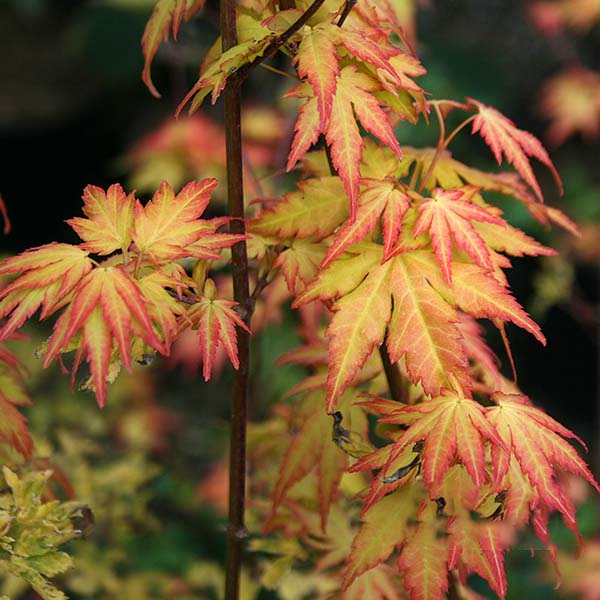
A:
(280, 40)
(348, 6)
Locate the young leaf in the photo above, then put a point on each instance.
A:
(535, 440)
(451, 427)
(448, 213)
(50, 274)
(215, 320)
(109, 219)
(514, 144)
(379, 199)
(106, 310)
(169, 227)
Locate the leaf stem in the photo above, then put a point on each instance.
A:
(236, 530)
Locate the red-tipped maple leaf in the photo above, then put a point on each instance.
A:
(353, 95)
(109, 219)
(379, 199)
(450, 427)
(534, 438)
(169, 227)
(50, 273)
(13, 428)
(107, 310)
(505, 139)
(424, 557)
(167, 14)
(216, 320)
(449, 212)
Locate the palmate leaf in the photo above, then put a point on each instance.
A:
(353, 96)
(109, 219)
(536, 441)
(166, 228)
(379, 199)
(13, 428)
(514, 144)
(107, 309)
(215, 320)
(49, 275)
(449, 213)
(166, 15)
(451, 427)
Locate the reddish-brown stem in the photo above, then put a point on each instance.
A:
(438, 151)
(348, 6)
(236, 531)
(393, 375)
(280, 40)
(442, 143)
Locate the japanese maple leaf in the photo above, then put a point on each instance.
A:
(451, 427)
(379, 199)
(448, 214)
(315, 209)
(313, 448)
(317, 61)
(421, 323)
(505, 139)
(13, 425)
(385, 527)
(216, 320)
(169, 227)
(109, 220)
(167, 14)
(536, 440)
(423, 559)
(106, 310)
(353, 95)
(48, 277)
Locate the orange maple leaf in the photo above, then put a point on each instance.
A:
(169, 227)
(216, 320)
(109, 219)
(452, 427)
(50, 274)
(107, 309)
(534, 438)
(450, 212)
(505, 139)
(353, 95)
(379, 199)
(166, 14)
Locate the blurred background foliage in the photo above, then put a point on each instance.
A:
(73, 111)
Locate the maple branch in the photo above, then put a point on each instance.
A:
(236, 531)
(280, 40)
(348, 6)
